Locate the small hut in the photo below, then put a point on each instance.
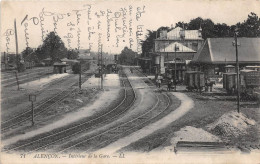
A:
(59, 67)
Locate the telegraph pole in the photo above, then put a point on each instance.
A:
(5, 60)
(16, 44)
(237, 65)
(175, 67)
(101, 68)
(79, 75)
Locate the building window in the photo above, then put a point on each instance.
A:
(195, 44)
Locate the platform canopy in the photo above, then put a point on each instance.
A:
(222, 51)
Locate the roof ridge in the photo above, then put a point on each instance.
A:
(210, 51)
(186, 49)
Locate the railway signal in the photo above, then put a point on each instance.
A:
(32, 98)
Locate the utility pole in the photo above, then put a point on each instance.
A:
(101, 68)
(168, 62)
(175, 67)
(79, 75)
(5, 59)
(237, 65)
(158, 67)
(16, 44)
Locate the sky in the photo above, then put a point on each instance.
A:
(112, 24)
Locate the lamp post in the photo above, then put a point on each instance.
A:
(237, 70)
(175, 67)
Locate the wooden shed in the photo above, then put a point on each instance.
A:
(59, 67)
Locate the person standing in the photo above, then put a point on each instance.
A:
(159, 83)
(170, 82)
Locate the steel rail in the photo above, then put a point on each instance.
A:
(43, 106)
(76, 126)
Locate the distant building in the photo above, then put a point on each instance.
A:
(186, 42)
(192, 39)
(8, 61)
(216, 53)
(59, 67)
(84, 54)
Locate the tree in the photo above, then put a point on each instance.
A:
(222, 30)
(148, 43)
(127, 56)
(53, 47)
(207, 26)
(29, 55)
(182, 25)
(250, 27)
(72, 54)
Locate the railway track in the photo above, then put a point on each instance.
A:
(132, 125)
(43, 106)
(95, 142)
(10, 74)
(147, 81)
(48, 139)
(40, 107)
(13, 78)
(24, 78)
(246, 148)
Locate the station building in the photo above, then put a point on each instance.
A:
(176, 45)
(216, 53)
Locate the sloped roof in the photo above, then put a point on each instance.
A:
(68, 60)
(85, 56)
(171, 48)
(82, 51)
(60, 64)
(189, 34)
(47, 59)
(222, 50)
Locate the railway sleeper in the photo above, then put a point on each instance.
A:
(187, 145)
(114, 132)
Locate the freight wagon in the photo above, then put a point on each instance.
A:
(249, 83)
(194, 80)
